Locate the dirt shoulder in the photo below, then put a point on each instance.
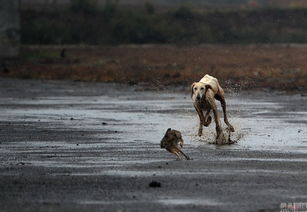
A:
(280, 67)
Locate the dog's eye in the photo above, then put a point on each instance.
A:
(202, 88)
(195, 89)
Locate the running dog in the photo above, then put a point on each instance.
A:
(203, 94)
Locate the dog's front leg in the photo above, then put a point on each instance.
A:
(201, 119)
(220, 138)
(208, 118)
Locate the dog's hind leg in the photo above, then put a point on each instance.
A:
(220, 138)
(223, 103)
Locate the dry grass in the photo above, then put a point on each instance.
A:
(246, 66)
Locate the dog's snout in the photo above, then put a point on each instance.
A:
(198, 97)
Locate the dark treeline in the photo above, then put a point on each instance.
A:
(85, 23)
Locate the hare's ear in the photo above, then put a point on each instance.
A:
(192, 86)
(167, 131)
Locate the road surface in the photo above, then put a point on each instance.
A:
(73, 146)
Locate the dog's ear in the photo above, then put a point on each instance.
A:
(192, 86)
(208, 87)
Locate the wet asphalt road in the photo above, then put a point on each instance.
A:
(72, 146)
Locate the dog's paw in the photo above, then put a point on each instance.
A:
(220, 139)
(230, 142)
(200, 133)
(231, 128)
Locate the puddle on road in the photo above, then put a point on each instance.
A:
(192, 172)
(133, 123)
(165, 201)
(146, 120)
(197, 202)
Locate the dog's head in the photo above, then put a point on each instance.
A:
(198, 91)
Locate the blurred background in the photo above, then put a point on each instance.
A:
(250, 43)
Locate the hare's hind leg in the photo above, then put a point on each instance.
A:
(186, 157)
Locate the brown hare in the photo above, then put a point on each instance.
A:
(173, 142)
